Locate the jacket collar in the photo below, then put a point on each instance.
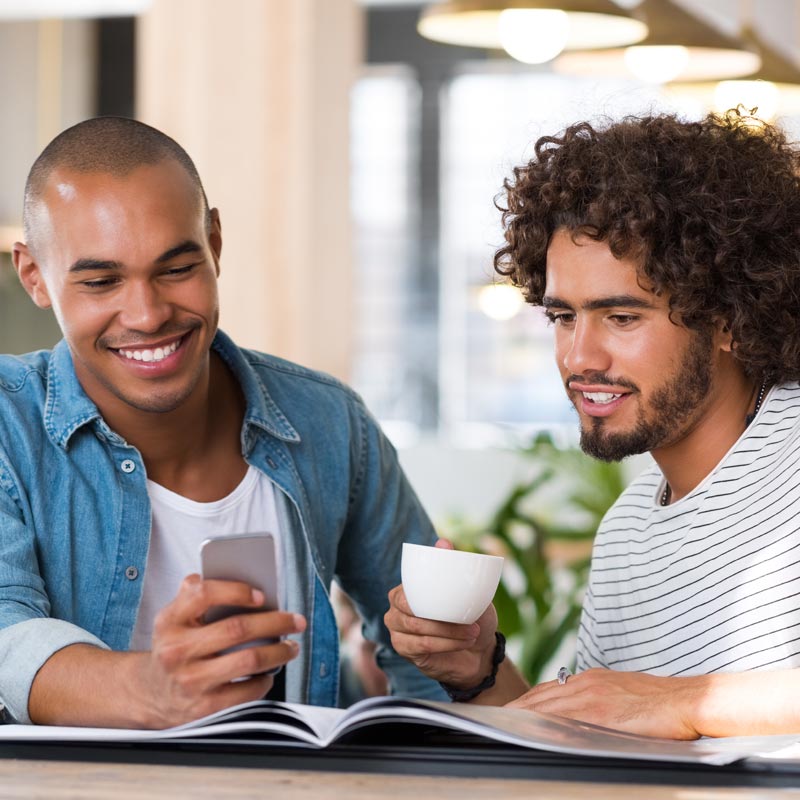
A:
(68, 407)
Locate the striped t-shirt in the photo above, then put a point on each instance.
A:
(710, 583)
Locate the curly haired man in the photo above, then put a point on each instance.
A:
(667, 256)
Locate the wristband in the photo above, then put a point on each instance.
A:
(464, 695)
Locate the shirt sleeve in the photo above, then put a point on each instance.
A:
(24, 648)
(384, 513)
(28, 635)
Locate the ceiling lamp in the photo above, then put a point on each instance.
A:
(679, 47)
(533, 31)
(57, 9)
(773, 91)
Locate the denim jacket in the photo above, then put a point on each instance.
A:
(75, 517)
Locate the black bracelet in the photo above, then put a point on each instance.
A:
(464, 695)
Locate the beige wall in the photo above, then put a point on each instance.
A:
(46, 84)
(257, 91)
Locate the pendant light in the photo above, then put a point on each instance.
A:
(772, 91)
(58, 9)
(533, 31)
(678, 47)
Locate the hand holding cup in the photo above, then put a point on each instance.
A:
(445, 587)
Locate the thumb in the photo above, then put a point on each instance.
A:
(445, 544)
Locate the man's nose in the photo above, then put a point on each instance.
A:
(144, 308)
(585, 350)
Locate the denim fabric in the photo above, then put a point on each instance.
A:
(75, 517)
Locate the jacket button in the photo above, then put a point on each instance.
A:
(272, 463)
(323, 669)
(131, 573)
(127, 465)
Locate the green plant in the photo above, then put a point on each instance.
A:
(544, 528)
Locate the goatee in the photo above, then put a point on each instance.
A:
(669, 409)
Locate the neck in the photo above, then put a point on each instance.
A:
(722, 420)
(193, 450)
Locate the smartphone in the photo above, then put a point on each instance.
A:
(249, 558)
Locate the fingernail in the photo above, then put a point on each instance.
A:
(294, 645)
(299, 622)
(258, 597)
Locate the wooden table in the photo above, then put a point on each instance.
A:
(57, 780)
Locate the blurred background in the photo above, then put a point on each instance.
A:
(355, 162)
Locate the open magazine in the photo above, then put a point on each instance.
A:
(293, 725)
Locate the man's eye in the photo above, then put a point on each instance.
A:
(99, 283)
(559, 317)
(176, 271)
(624, 319)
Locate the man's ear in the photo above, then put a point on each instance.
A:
(723, 338)
(215, 236)
(30, 275)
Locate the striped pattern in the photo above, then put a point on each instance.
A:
(710, 583)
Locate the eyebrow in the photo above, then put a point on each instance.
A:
(188, 246)
(89, 264)
(612, 301)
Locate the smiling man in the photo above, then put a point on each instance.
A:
(146, 431)
(666, 255)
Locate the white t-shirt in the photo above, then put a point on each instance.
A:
(710, 583)
(180, 526)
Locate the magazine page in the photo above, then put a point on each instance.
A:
(261, 720)
(557, 734)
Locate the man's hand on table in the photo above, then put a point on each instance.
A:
(629, 701)
(183, 677)
(719, 704)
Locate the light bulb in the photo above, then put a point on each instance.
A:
(656, 63)
(34, 9)
(500, 301)
(764, 96)
(533, 36)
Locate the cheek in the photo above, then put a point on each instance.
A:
(79, 318)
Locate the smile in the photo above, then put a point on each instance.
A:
(601, 398)
(151, 354)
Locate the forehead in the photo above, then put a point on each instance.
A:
(109, 214)
(581, 268)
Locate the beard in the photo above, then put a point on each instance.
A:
(668, 411)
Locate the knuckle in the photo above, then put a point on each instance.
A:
(191, 584)
(248, 661)
(185, 682)
(236, 627)
(170, 655)
(416, 626)
(160, 623)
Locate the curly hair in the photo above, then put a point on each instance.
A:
(710, 210)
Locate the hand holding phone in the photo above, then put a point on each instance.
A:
(247, 558)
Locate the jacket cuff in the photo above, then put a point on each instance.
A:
(24, 648)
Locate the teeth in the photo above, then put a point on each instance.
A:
(159, 354)
(601, 397)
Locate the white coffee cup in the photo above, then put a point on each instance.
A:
(448, 585)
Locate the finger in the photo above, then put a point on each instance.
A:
(417, 626)
(249, 661)
(401, 618)
(445, 544)
(411, 646)
(239, 629)
(195, 596)
(538, 694)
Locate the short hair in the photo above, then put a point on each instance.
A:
(709, 209)
(111, 145)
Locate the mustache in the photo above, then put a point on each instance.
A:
(134, 337)
(600, 378)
